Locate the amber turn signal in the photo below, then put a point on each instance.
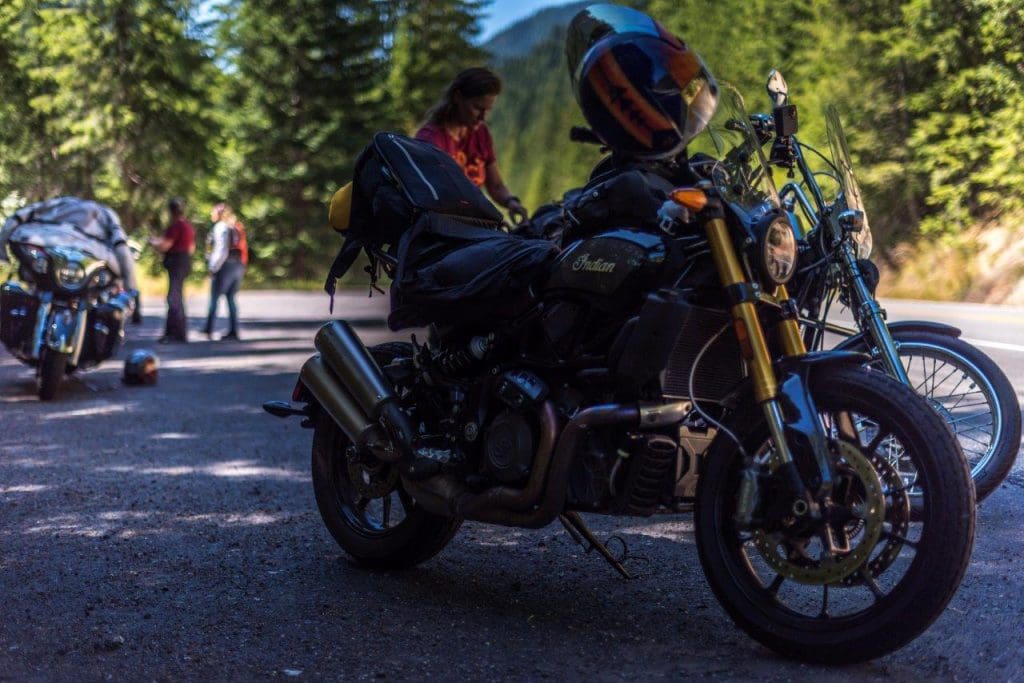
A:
(690, 197)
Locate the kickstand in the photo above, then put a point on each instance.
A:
(579, 532)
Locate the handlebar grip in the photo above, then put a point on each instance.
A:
(585, 135)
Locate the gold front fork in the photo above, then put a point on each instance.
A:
(744, 314)
(751, 336)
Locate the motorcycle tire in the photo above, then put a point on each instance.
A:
(52, 368)
(938, 366)
(361, 523)
(893, 585)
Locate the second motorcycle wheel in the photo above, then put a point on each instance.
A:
(972, 394)
(52, 368)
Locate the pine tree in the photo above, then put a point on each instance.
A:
(432, 43)
(305, 74)
(120, 86)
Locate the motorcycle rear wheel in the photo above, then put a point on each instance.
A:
(362, 501)
(52, 368)
(813, 609)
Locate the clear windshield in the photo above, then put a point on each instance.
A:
(850, 197)
(728, 154)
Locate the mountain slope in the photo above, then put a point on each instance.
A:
(520, 38)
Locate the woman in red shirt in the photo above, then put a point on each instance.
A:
(457, 125)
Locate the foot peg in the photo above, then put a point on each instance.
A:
(419, 469)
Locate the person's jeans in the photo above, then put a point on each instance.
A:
(226, 282)
(178, 265)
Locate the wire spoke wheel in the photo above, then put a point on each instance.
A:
(972, 395)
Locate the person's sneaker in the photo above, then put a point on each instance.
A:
(230, 335)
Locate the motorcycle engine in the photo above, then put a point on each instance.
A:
(508, 447)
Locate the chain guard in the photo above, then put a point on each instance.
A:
(787, 557)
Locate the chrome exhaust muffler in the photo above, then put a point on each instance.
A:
(351, 387)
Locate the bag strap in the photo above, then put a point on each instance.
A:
(342, 262)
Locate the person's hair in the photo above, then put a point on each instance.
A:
(176, 206)
(224, 213)
(476, 81)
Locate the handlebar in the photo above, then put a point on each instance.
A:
(584, 135)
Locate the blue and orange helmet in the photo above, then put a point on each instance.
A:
(642, 90)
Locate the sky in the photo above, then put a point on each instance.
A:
(500, 13)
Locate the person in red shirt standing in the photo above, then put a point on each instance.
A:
(177, 245)
(457, 125)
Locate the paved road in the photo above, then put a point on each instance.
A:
(170, 533)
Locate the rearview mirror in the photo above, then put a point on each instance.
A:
(778, 91)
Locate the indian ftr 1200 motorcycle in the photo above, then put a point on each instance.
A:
(645, 360)
(963, 384)
(63, 308)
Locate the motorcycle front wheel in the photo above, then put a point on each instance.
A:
(887, 575)
(362, 502)
(972, 394)
(52, 368)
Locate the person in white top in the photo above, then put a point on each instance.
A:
(227, 255)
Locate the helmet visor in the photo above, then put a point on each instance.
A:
(598, 21)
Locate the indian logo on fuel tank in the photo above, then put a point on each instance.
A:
(590, 265)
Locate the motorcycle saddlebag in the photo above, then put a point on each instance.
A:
(452, 271)
(397, 179)
(18, 310)
(105, 331)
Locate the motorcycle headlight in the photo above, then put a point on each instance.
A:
(102, 278)
(71, 275)
(38, 261)
(777, 250)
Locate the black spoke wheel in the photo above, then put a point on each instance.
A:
(362, 502)
(884, 577)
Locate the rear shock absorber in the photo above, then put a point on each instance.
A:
(645, 485)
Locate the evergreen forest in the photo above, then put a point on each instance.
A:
(266, 103)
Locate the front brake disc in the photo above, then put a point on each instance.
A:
(788, 555)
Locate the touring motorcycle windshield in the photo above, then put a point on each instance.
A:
(851, 197)
(728, 153)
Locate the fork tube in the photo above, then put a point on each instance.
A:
(744, 314)
(809, 178)
(789, 329)
(871, 319)
(750, 336)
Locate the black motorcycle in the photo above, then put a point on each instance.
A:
(63, 308)
(961, 383)
(644, 371)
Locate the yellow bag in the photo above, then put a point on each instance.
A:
(340, 214)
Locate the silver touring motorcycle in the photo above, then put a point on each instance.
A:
(652, 364)
(65, 304)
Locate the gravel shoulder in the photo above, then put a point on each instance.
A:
(170, 533)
